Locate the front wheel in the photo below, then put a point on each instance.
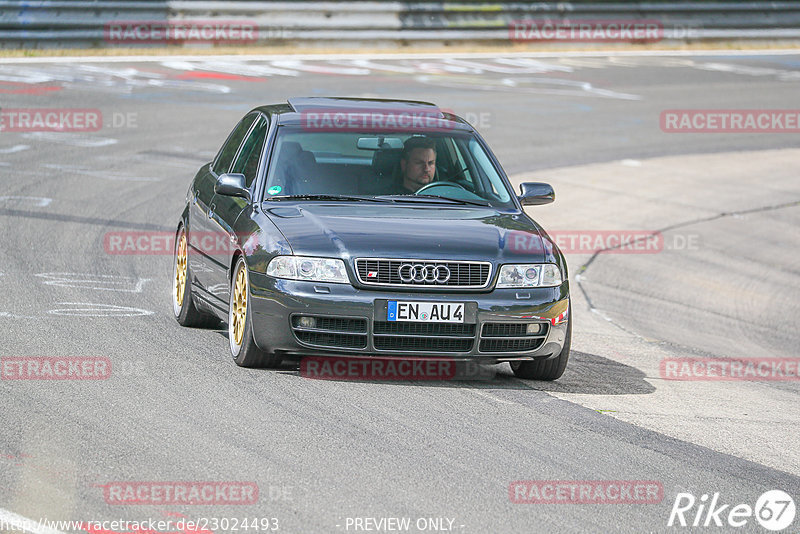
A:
(183, 306)
(550, 369)
(240, 324)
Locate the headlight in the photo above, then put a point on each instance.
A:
(310, 269)
(529, 275)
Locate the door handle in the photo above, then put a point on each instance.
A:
(211, 209)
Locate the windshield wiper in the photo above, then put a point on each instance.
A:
(428, 198)
(323, 197)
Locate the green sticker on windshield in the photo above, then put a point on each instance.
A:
(274, 190)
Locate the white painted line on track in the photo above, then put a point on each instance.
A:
(379, 56)
(490, 396)
(39, 202)
(97, 282)
(630, 163)
(105, 175)
(89, 309)
(10, 315)
(23, 524)
(14, 149)
(73, 139)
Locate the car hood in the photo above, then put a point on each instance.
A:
(391, 231)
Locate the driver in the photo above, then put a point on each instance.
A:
(417, 165)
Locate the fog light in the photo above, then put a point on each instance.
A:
(533, 328)
(307, 322)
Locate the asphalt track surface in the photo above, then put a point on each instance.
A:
(325, 453)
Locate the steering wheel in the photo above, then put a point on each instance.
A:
(462, 171)
(437, 184)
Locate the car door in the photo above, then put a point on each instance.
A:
(225, 209)
(202, 238)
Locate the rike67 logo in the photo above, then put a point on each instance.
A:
(774, 510)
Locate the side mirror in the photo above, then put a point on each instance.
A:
(536, 193)
(232, 185)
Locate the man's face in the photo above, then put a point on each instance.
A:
(418, 169)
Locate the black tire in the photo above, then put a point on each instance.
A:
(245, 353)
(550, 369)
(185, 310)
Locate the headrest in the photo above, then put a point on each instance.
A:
(385, 161)
(306, 158)
(290, 149)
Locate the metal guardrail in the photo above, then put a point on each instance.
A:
(83, 23)
(39, 24)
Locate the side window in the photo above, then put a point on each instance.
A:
(247, 161)
(228, 150)
(460, 164)
(485, 171)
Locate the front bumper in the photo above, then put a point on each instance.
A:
(356, 322)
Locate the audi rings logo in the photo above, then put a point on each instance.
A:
(419, 273)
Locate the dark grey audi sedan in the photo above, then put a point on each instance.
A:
(356, 227)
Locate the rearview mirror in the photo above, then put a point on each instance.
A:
(379, 143)
(232, 185)
(536, 193)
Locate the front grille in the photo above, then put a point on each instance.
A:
(463, 274)
(352, 333)
(436, 344)
(510, 345)
(504, 330)
(333, 332)
(423, 337)
(323, 339)
(423, 329)
(510, 337)
(511, 330)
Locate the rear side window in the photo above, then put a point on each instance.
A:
(228, 151)
(247, 161)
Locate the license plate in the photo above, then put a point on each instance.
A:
(426, 312)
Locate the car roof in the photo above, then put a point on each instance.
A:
(293, 112)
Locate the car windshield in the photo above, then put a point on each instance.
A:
(436, 167)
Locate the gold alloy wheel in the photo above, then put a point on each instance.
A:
(239, 306)
(180, 270)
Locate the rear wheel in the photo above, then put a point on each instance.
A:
(549, 369)
(240, 324)
(183, 307)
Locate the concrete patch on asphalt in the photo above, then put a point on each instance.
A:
(730, 292)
